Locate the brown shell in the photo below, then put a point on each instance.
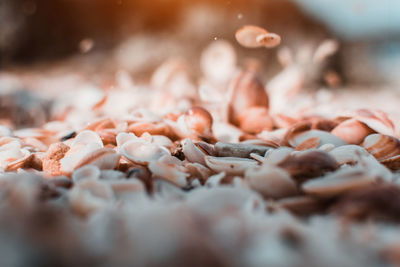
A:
(246, 91)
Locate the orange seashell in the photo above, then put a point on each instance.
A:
(352, 131)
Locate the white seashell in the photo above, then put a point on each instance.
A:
(122, 138)
(230, 165)
(142, 152)
(23, 157)
(111, 175)
(348, 154)
(324, 137)
(104, 158)
(192, 152)
(270, 181)
(86, 137)
(123, 187)
(86, 172)
(276, 156)
(225, 132)
(166, 169)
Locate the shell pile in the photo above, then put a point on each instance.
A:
(198, 173)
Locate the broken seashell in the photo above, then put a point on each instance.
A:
(253, 36)
(192, 152)
(276, 156)
(142, 152)
(352, 131)
(170, 169)
(307, 164)
(23, 160)
(230, 165)
(86, 137)
(270, 181)
(240, 150)
(51, 160)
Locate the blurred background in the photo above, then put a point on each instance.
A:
(137, 35)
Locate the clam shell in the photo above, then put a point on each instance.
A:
(230, 165)
(271, 182)
(276, 156)
(382, 147)
(352, 131)
(142, 152)
(376, 120)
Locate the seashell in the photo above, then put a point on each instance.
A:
(86, 172)
(376, 120)
(108, 136)
(245, 91)
(159, 128)
(339, 182)
(199, 171)
(230, 165)
(310, 143)
(276, 156)
(308, 164)
(192, 152)
(324, 137)
(122, 138)
(253, 36)
(170, 169)
(195, 123)
(142, 152)
(51, 160)
(22, 161)
(352, 131)
(270, 181)
(86, 137)
(105, 123)
(382, 147)
(348, 154)
(241, 150)
(104, 158)
(255, 120)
